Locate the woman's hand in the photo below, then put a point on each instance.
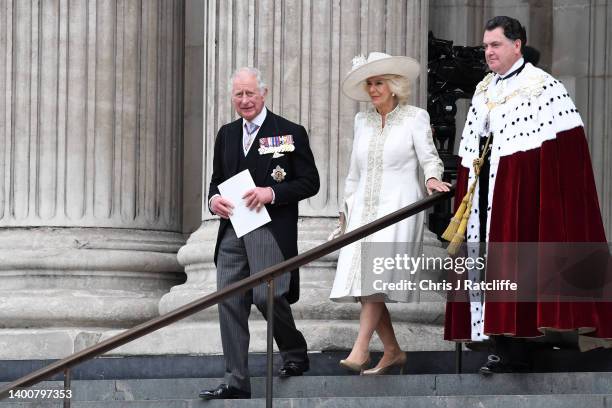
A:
(433, 184)
(339, 229)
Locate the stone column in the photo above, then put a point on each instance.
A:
(304, 49)
(90, 168)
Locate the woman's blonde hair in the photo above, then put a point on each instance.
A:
(398, 85)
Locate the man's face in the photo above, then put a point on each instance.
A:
(500, 52)
(247, 98)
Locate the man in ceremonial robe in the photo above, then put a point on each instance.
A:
(535, 185)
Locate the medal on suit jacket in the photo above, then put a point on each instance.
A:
(278, 174)
(276, 145)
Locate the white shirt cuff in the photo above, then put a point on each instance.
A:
(273, 195)
(210, 202)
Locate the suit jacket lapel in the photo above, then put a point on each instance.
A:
(234, 146)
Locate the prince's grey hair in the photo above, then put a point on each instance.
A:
(261, 85)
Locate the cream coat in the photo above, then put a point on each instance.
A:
(383, 177)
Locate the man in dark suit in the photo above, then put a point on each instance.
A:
(277, 154)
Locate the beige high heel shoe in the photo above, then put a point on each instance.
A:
(400, 361)
(351, 365)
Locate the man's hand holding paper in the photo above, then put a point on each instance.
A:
(221, 206)
(257, 197)
(240, 191)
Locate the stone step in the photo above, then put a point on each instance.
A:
(349, 386)
(321, 363)
(486, 401)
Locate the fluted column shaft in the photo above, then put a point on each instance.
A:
(91, 122)
(90, 166)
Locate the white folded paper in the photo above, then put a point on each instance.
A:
(244, 220)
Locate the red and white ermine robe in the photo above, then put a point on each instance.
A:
(541, 189)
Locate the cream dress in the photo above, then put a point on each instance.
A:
(383, 177)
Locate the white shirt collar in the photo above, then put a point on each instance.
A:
(514, 67)
(259, 119)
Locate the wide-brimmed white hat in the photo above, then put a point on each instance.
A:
(377, 63)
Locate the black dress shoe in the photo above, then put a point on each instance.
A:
(224, 391)
(495, 364)
(291, 369)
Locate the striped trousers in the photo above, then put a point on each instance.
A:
(237, 259)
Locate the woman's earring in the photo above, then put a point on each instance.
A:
(392, 94)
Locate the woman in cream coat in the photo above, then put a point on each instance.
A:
(390, 142)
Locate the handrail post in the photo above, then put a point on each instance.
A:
(270, 344)
(67, 381)
(458, 357)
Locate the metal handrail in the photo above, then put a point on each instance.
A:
(267, 275)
